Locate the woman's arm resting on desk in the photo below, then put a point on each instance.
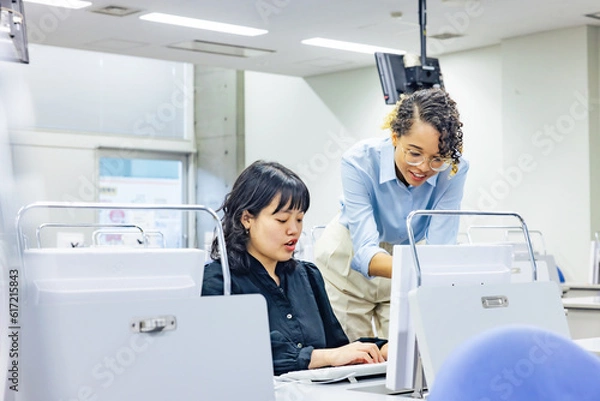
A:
(381, 265)
(351, 354)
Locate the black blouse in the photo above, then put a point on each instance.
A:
(300, 315)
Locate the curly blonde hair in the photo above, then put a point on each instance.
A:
(433, 106)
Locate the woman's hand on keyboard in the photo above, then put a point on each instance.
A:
(351, 354)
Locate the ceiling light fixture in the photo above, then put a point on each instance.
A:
(446, 36)
(222, 49)
(202, 24)
(116, 11)
(458, 3)
(349, 46)
(73, 4)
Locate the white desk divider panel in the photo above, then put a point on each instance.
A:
(55, 275)
(521, 271)
(522, 267)
(441, 265)
(551, 269)
(213, 348)
(595, 259)
(463, 312)
(121, 324)
(440, 270)
(583, 316)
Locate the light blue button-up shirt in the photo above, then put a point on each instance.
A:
(375, 203)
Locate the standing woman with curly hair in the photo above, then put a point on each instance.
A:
(418, 167)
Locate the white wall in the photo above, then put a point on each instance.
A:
(546, 120)
(474, 80)
(85, 91)
(307, 124)
(73, 102)
(594, 87)
(506, 94)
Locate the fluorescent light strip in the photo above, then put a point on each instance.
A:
(203, 24)
(73, 4)
(349, 46)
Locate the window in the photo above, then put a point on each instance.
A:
(149, 178)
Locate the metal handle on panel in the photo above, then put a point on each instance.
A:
(411, 235)
(154, 324)
(136, 206)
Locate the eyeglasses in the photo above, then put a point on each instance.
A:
(415, 158)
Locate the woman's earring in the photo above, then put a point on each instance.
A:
(247, 232)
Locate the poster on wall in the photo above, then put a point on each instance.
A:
(145, 182)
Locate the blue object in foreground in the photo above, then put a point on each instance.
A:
(518, 363)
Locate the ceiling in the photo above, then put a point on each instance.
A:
(481, 22)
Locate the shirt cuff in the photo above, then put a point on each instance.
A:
(363, 257)
(380, 342)
(304, 357)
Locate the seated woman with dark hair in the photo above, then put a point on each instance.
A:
(262, 222)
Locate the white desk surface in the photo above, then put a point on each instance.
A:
(592, 302)
(351, 391)
(590, 344)
(336, 391)
(581, 286)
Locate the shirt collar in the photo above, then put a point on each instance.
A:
(387, 166)
(257, 267)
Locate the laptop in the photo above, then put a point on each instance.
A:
(334, 374)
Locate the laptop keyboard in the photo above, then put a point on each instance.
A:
(336, 373)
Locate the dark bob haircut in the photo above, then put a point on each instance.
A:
(253, 190)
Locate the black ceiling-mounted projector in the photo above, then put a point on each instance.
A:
(400, 74)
